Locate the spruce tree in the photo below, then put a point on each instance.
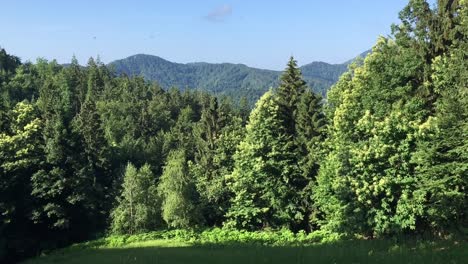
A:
(244, 110)
(311, 133)
(442, 157)
(291, 88)
(264, 165)
(216, 136)
(56, 208)
(302, 118)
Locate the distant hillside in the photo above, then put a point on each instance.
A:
(236, 80)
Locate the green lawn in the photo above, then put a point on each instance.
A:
(170, 251)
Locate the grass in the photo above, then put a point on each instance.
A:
(174, 251)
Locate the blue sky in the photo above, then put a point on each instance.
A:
(258, 33)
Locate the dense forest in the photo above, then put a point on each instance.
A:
(225, 79)
(85, 152)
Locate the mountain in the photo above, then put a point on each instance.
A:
(362, 55)
(235, 80)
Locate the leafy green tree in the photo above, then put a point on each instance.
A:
(21, 153)
(367, 183)
(138, 208)
(379, 177)
(178, 193)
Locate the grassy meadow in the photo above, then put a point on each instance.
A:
(172, 249)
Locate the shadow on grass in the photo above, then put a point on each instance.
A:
(341, 252)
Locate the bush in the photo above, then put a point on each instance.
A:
(219, 237)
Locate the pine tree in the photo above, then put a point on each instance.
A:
(180, 135)
(8, 65)
(244, 110)
(216, 136)
(93, 149)
(442, 156)
(291, 88)
(58, 194)
(299, 108)
(310, 127)
(264, 165)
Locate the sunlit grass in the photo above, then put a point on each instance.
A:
(155, 243)
(172, 251)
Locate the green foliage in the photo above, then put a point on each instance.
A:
(264, 165)
(8, 66)
(234, 80)
(310, 126)
(20, 155)
(311, 132)
(384, 155)
(392, 167)
(138, 207)
(216, 135)
(178, 193)
(230, 246)
(218, 236)
(442, 158)
(289, 92)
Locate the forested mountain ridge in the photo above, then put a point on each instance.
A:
(236, 80)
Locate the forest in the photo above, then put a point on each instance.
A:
(85, 153)
(224, 79)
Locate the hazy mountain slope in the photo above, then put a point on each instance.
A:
(236, 80)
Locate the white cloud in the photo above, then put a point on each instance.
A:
(219, 14)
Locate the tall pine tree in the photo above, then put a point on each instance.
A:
(264, 164)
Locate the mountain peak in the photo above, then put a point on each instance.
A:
(236, 80)
(142, 56)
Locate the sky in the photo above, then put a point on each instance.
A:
(258, 33)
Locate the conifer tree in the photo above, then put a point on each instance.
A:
(310, 127)
(291, 88)
(216, 136)
(55, 208)
(244, 110)
(302, 118)
(8, 63)
(442, 157)
(264, 167)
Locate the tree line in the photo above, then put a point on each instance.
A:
(84, 152)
